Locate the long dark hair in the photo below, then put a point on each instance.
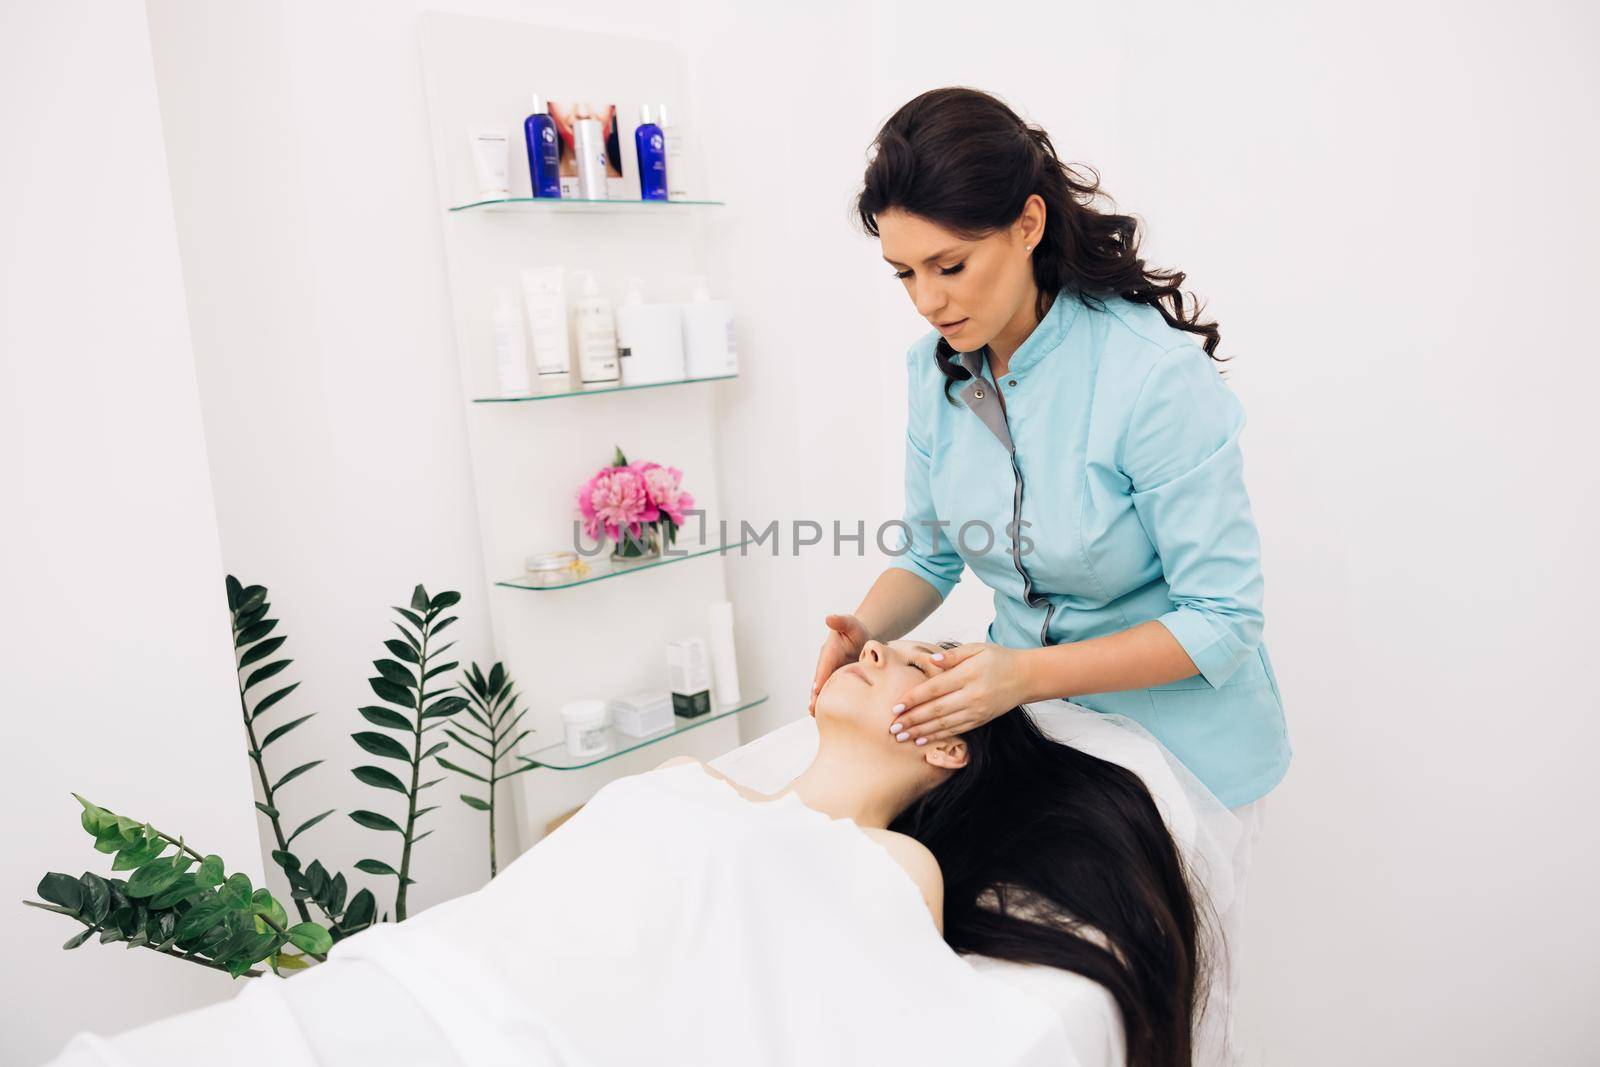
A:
(1053, 856)
(961, 158)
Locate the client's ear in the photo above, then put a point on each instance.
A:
(949, 753)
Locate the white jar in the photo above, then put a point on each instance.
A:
(585, 722)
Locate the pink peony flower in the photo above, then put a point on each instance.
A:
(614, 498)
(665, 490)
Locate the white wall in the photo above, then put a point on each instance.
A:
(1389, 209)
(1382, 205)
(115, 639)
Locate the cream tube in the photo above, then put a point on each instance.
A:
(491, 158)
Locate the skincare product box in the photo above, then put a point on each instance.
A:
(649, 340)
(708, 347)
(689, 671)
(585, 724)
(510, 352)
(643, 714)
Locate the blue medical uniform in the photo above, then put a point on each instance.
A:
(1116, 455)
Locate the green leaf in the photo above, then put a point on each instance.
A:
(263, 903)
(440, 669)
(211, 871)
(462, 770)
(292, 775)
(444, 706)
(182, 888)
(311, 937)
(403, 649)
(285, 728)
(262, 651)
(63, 890)
(395, 672)
(377, 776)
(436, 749)
(200, 919)
(270, 699)
(394, 694)
(154, 877)
(96, 897)
(138, 854)
(381, 745)
(448, 599)
(266, 672)
(474, 802)
(375, 867)
(379, 715)
(78, 938)
(236, 891)
(419, 598)
(374, 821)
(267, 809)
(308, 824)
(252, 634)
(359, 915)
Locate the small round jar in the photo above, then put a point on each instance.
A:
(555, 568)
(585, 722)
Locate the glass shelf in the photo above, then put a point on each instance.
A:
(602, 567)
(577, 204)
(556, 756)
(598, 391)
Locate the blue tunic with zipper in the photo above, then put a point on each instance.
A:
(1116, 450)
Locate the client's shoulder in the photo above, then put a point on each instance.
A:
(919, 863)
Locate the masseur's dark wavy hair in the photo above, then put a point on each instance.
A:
(961, 158)
(1053, 856)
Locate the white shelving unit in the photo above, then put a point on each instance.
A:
(529, 456)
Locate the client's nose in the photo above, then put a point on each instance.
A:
(874, 653)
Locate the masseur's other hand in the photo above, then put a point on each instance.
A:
(846, 638)
(979, 682)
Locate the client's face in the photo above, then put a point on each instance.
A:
(858, 698)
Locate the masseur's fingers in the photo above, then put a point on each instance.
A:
(927, 714)
(962, 653)
(915, 707)
(845, 640)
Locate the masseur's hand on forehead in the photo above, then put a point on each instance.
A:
(973, 683)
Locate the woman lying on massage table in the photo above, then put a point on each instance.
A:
(681, 918)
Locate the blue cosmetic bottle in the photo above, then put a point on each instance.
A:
(652, 149)
(544, 150)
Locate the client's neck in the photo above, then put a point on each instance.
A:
(845, 782)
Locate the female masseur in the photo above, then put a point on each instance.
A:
(1070, 441)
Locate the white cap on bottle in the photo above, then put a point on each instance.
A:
(539, 107)
(644, 114)
(661, 115)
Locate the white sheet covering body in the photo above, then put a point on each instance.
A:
(670, 921)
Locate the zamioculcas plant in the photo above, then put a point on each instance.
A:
(203, 915)
(402, 683)
(254, 642)
(493, 708)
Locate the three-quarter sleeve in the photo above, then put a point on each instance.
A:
(1181, 454)
(929, 551)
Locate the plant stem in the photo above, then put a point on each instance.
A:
(416, 769)
(266, 787)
